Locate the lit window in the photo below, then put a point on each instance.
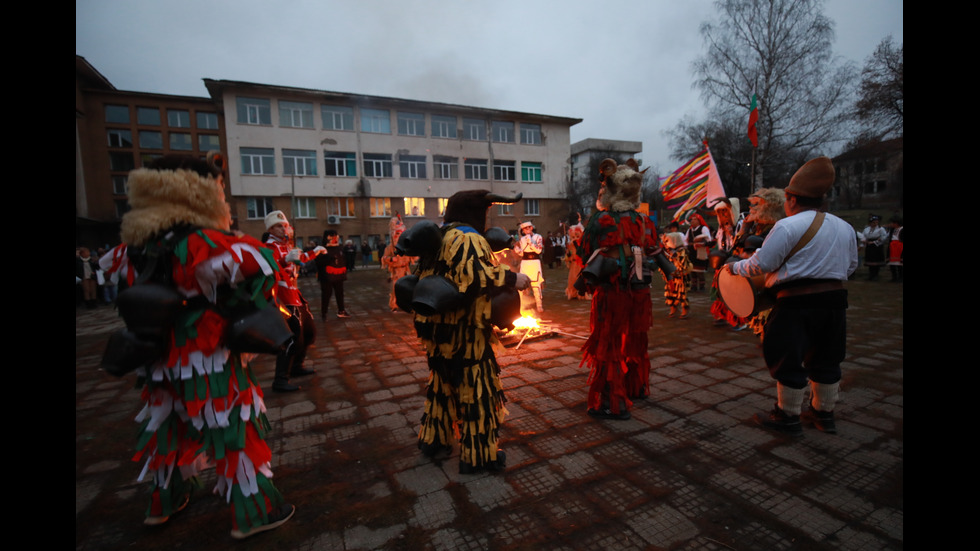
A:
(414, 206)
(208, 142)
(120, 138)
(207, 121)
(531, 134)
(443, 126)
(530, 172)
(445, 168)
(411, 124)
(258, 160)
(377, 121)
(295, 114)
(377, 165)
(475, 169)
(148, 115)
(336, 117)
(150, 139)
(258, 207)
(503, 131)
(117, 114)
(181, 141)
(531, 207)
(341, 206)
(299, 162)
(443, 201)
(380, 207)
(412, 166)
(474, 129)
(178, 118)
(339, 163)
(304, 207)
(253, 111)
(505, 209)
(504, 171)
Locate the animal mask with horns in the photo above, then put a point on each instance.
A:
(620, 190)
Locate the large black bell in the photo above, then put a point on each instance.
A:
(435, 295)
(505, 307)
(150, 310)
(262, 331)
(422, 239)
(717, 258)
(405, 291)
(498, 239)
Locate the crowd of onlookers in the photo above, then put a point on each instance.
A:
(92, 286)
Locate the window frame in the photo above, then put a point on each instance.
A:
(504, 171)
(407, 164)
(531, 168)
(376, 121)
(377, 161)
(532, 207)
(337, 113)
(502, 131)
(152, 112)
(265, 156)
(181, 122)
(414, 202)
(304, 207)
(260, 107)
(291, 109)
(385, 207)
(122, 135)
(252, 210)
(470, 164)
(341, 206)
(112, 110)
(175, 145)
(204, 119)
(151, 139)
(293, 159)
(411, 123)
(470, 127)
(442, 162)
(333, 162)
(444, 122)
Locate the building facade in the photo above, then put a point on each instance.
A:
(350, 162)
(870, 176)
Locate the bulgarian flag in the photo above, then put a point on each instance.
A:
(753, 118)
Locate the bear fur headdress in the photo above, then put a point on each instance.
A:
(620, 189)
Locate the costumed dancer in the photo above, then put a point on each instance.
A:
(398, 266)
(873, 238)
(331, 272)
(698, 239)
(726, 211)
(676, 287)
(289, 363)
(529, 249)
(896, 249)
(573, 262)
(202, 403)
(616, 241)
(765, 209)
(464, 398)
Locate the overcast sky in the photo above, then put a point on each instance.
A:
(623, 66)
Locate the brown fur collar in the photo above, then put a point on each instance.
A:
(161, 199)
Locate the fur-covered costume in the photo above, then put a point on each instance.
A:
(676, 287)
(464, 399)
(398, 266)
(202, 404)
(616, 350)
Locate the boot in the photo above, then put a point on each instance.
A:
(283, 362)
(785, 415)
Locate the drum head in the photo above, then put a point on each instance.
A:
(737, 293)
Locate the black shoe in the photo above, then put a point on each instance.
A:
(822, 420)
(276, 519)
(301, 372)
(284, 386)
(493, 466)
(606, 413)
(778, 420)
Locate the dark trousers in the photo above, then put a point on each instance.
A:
(328, 288)
(303, 328)
(804, 339)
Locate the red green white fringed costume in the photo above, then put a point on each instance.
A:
(201, 404)
(621, 315)
(464, 398)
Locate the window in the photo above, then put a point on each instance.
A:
(504, 171)
(503, 131)
(443, 201)
(150, 139)
(208, 121)
(336, 117)
(295, 114)
(208, 142)
(258, 160)
(339, 163)
(304, 207)
(119, 184)
(341, 206)
(377, 121)
(177, 118)
(258, 207)
(411, 124)
(531, 207)
(443, 126)
(380, 207)
(299, 162)
(475, 169)
(253, 111)
(505, 209)
(530, 172)
(531, 134)
(120, 138)
(148, 115)
(445, 168)
(474, 129)
(181, 141)
(147, 158)
(412, 166)
(377, 165)
(117, 114)
(415, 206)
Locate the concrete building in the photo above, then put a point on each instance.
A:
(870, 176)
(350, 162)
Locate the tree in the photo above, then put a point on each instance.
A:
(779, 50)
(880, 105)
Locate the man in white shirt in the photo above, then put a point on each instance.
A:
(804, 341)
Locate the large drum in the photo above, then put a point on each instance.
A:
(744, 296)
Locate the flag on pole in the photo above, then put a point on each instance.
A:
(753, 118)
(693, 184)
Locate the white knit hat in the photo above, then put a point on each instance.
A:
(275, 217)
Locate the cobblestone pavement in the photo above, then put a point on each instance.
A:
(689, 471)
